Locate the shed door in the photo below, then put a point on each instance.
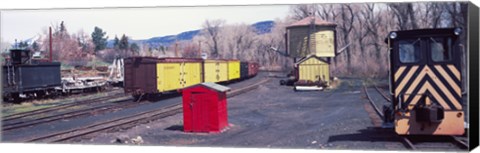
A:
(200, 109)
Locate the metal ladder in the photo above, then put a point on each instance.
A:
(10, 74)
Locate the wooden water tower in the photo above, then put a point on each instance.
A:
(311, 36)
(311, 42)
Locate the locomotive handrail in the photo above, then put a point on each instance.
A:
(389, 71)
(8, 75)
(464, 91)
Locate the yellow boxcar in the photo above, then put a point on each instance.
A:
(192, 74)
(215, 70)
(168, 76)
(313, 69)
(178, 74)
(233, 69)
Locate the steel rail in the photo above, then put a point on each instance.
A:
(145, 116)
(461, 144)
(58, 107)
(383, 94)
(66, 115)
(379, 113)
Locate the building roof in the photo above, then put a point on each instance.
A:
(213, 86)
(307, 21)
(308, 57)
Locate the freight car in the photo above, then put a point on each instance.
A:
(425, 82)
(215, 71)
(23, 78)
(252, 69)
(244, 69)
(177, 73)
(233, 70)
(149, 76)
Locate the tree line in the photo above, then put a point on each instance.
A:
(364, 26)
(80, 48)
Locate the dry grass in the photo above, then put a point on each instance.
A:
(44, 103)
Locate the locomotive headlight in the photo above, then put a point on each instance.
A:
(457, 31)
(393, 35)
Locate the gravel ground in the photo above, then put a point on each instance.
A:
(22, 134)
(274, 116)
(270, 116)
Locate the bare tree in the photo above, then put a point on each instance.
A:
(405, 15)
(191, 50)
(302, 10)
(373, 20)
(211, 29)
(362, 33)
(327, 12)
(238, 39)
(69, 49)
(346, 27)
(85, 42)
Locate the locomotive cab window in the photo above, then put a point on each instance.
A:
(440, 49)
(409, 51)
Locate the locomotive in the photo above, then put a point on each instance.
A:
(425, 82)
(23, 77)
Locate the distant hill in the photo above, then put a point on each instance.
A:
(167, 40)
(262, 27)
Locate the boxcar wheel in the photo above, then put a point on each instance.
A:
(16, 98)
(136, 97)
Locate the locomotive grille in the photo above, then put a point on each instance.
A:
(442, 82)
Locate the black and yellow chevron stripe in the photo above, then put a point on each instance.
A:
(440, 82)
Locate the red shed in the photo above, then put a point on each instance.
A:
(205, 107)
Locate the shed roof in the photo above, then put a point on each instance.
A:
(306, 22)
(308, 57)
(213, 86)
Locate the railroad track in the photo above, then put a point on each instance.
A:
(382, 93)
(128, 121)
(123, 102)
(427, 142)
(372, 103)
(59, 107)
(443, 143)
(119, 104)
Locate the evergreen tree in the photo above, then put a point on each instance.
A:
(134, 48)
(22, 44)
(123, 44)
(35, 46)
(99, 39)
(63, 27)
(61, 31)
(116, 42)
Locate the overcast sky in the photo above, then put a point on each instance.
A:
(138, 23)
